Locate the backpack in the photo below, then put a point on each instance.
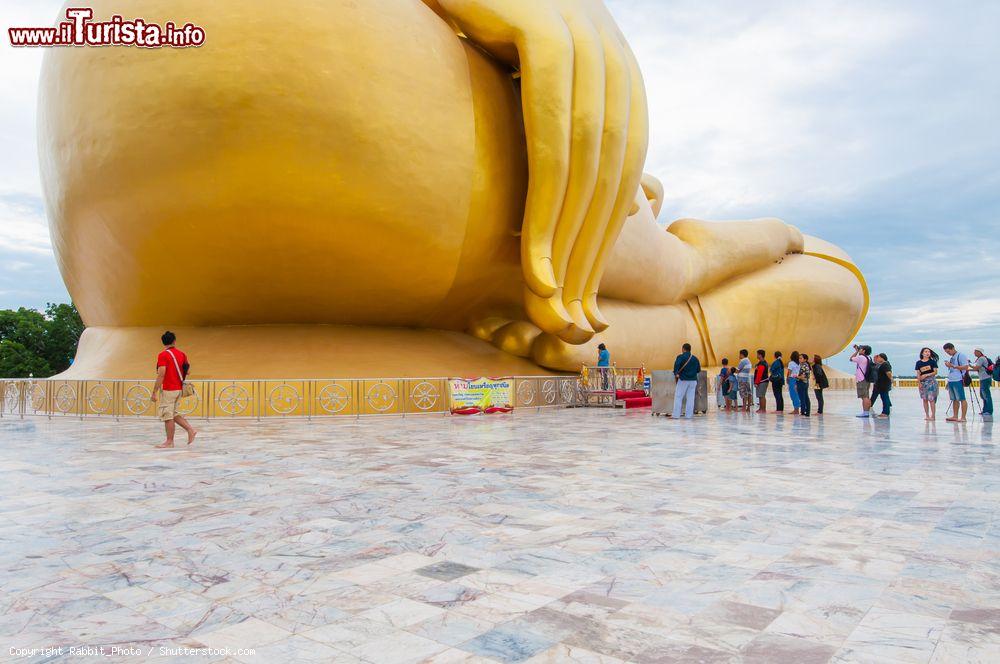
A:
(819, 375)
(871, 371)
(779, 377)
(962, 360)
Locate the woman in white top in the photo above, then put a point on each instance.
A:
(792, 374)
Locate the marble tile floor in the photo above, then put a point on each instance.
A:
(569, 535)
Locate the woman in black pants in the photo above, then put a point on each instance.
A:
(820, 382)
(802, 386)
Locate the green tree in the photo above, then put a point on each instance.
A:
(36, 343)
(16, 361)
(25, 327)
(63, 330)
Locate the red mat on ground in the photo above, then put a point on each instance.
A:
(629, 394)
(638, 402)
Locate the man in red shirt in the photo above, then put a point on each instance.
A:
(761, 379)
(171, 370)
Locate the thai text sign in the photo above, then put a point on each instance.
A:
(481, 395)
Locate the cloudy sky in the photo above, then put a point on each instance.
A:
(871, 124)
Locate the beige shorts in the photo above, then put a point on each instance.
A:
(166, 405)
(864, 389)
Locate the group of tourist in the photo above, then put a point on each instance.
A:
(959, 377)
(873, 379)
(746, 385)
(740, 386)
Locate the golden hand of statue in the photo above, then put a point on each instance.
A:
(586, 124)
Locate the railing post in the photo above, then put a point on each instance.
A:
(446, 396)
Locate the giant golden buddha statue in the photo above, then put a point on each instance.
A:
(396, 188)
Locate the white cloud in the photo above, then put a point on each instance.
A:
(24, 225)
(19, 69)
(754, 105)
(726, 82)
(938, 314)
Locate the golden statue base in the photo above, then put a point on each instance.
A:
(295, 351)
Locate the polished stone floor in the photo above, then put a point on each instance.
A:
(571, 535)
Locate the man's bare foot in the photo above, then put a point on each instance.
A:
(191, 437)
(951, 419)
(164, 445)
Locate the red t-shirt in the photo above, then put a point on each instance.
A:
(171, 379)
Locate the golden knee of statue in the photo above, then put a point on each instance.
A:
(395, 189)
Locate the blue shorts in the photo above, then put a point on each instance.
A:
(956, 390)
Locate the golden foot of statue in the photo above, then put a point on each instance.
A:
(810, 303)
(510, 336)
(654, 275)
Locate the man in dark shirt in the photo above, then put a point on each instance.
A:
(778, 382)
(883, 382)
(686, 370)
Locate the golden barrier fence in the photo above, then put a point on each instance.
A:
(260, 399)
(599, 385)
(611, 378)
(913, 382)
(305, 398)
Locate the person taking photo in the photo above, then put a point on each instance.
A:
(863, 377)
(958, 367)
